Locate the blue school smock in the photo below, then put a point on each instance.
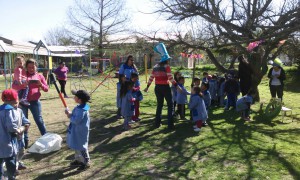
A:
(22, 121)
(127, 70)
(206, 98)
(127, 108)
(8, 129)
(243, 103)
(213, 88)
(197, 106)
(181, 97)
(221, 89)
(204, 79)
(78, 130)
(118, 98)
(174, 93)
(137, 94)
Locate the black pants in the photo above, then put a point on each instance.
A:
(181, 110)
(276, 90)
(163, 92)
(62, 86)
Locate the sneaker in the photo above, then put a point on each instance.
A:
(136, 120)
(76, 163)
(83, 167)
(195, 126)
(131, 122)
(197, 129)
(21, 166)
(126, 128)
(66, 96)
(24, 102)
(204, 124)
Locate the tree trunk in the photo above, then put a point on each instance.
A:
(255, 60)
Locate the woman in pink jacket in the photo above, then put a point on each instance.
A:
(36, 82)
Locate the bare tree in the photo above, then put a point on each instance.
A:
(232, 25)
(59, 36)
(95, 20)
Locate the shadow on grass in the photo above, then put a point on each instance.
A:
(164, 154)
(241, 135)
(58, 174)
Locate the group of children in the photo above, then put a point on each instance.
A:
(128, 99)
(13, 123)
(210, 92)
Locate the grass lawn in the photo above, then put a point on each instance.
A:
(228, 148)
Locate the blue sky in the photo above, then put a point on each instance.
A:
(31, 19)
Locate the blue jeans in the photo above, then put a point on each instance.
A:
(36, 110)
(10, 166)
(163, 92)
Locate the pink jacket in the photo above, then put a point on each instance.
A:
(34, 93)
(19, 74)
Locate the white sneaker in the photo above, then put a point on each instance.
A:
(195, 126)
(131, 122)
(197, 129)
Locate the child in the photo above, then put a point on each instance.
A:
(121, 82)
(22, 121)
(181, 98)
(78, 130)
(20, 78)
(127, 101)
(197, 107)
(221, 95)
(136, 93)
(196, 83)
(206, 97)
(9, 130)
(243, 105)
(231, 90)
(205, 74)
(213, 89)
(177, 74)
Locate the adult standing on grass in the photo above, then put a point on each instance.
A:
(36, 82)
(245, 75)
(162, 74)
(62, 76)
(128, 67)
(277, 76)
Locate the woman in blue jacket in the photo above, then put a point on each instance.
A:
(128, 67)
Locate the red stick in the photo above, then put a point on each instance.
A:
(63, 99)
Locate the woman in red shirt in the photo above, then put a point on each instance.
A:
(163, 75)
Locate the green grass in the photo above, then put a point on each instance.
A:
(227, 149)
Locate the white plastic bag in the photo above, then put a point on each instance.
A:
(47, 143)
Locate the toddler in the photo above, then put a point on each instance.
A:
(121, 82)
(78, 130)
(243, 105)
(181, 98)
(197, 107)
(9, 131)
(20, 77)
(174, 92)
(206, 97)
(127, 103)
(137, 94)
